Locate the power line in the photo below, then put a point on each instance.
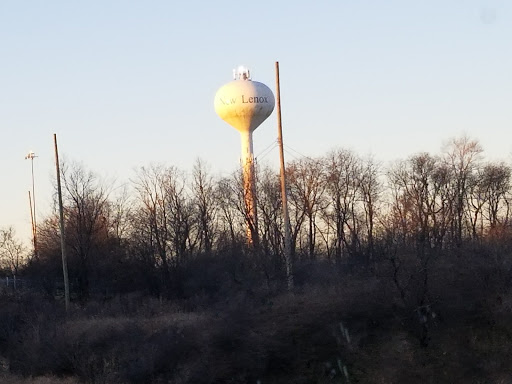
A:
(293, 155)
(266, 151)
(297, 152)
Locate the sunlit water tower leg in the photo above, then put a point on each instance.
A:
(249, 187)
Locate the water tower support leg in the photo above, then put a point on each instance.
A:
(249, 188)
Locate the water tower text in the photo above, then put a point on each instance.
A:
(246, 100)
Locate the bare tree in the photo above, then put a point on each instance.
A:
(163, 229)
(462, 155)
(12, 251)
(150, 217)
(342, 170)
(269, 208)
(495, 183)
(181, 214)
(119, 215)
(422, 199)
(204, 195)
(86, 211)
(233, 214)
(370, 188)
(236, 205)
(305, 180)
(165, 214)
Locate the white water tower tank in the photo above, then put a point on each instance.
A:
(244, 104)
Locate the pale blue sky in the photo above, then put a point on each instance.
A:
(127, 83)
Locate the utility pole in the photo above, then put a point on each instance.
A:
(62, 232)
(286, 217)
(30, 156)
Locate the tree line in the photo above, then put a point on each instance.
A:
(345, 209)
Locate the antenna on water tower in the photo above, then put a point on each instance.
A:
(245, 104)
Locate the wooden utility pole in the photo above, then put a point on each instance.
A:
(62, 232)
(286, 217)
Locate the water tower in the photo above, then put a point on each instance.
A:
(245, 104)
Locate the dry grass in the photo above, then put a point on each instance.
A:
(303, 337)
(11, 379)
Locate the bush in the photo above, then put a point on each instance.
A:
(338, 323)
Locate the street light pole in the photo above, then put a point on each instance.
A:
(30, 156)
